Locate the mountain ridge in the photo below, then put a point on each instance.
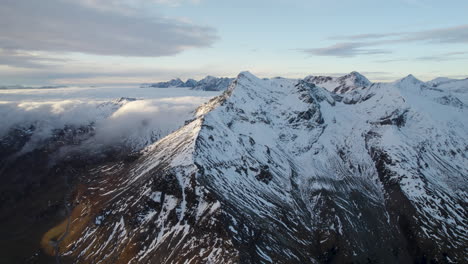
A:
(285, 171)
(209, 83)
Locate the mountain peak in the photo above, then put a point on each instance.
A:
(358, 78)
(211, 83)
(355, 73)
(340, 85)
(246, 74)
(409, 81)
(207, 78)
(411, 77)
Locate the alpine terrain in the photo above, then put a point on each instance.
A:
(209, 83)
(313, 170)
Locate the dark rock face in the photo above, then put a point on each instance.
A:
(264, 175)
(271, 171)
(451, 101)
(395, 118)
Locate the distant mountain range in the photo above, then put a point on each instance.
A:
(338, 85)
(209, 83)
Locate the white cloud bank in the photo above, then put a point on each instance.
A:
(130, 123)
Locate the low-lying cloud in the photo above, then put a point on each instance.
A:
(127, 123)
(139, 123)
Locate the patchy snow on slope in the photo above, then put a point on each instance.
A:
(256, 153)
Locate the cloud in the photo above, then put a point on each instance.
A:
(25, 59)
(362, 36)
(47, 116)
(449, 56)
(457, 34)
(112, 4)
(354, 45)
(130, 7)
(346, 49)
(139, 123)
(74, 26)
(444, 57)
(133, 124)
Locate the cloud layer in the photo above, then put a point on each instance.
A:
(127, 123)
(79, 26)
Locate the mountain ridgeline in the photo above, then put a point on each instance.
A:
(315, 170)
(209, 83)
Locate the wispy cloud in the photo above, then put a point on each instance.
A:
(25, 59)
(457, 34)
(345, 49)
(449, 56)
(361, 44)
(130, 6)
(363, 36)
(444, 57)
(71, 26)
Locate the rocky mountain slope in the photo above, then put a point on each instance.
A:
(282, 171)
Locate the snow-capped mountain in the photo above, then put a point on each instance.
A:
(209, 83)
(283, 171)
(440, 80)
(191, 83)
(339, 85)
(172, 83)
(449, 85)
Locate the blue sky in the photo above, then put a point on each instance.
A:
(134, 41)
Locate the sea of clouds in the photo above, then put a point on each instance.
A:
(135, 117)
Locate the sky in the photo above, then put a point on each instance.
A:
(89, 42)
